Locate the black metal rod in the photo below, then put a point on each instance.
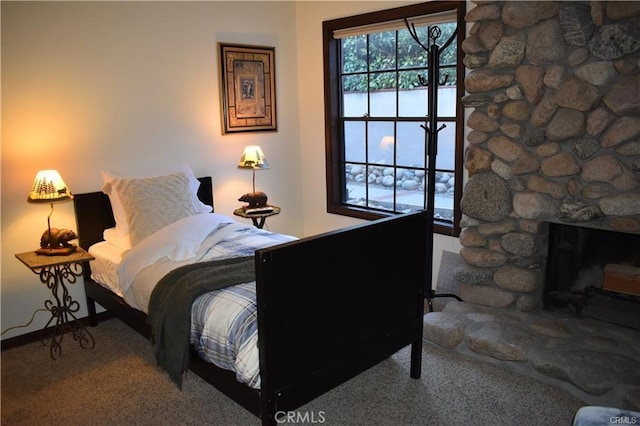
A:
(432, 152)
(431, 142)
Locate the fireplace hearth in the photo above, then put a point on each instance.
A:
(594, 360)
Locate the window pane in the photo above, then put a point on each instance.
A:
(410, 53)
(354, 54)
(412, 103)
(382, 51)
(411, 145)
(448, 56)
(381, 181)
(383, 94)
(410, 195)
(410, 80)
(446, 158)
(443, 199)
(380, 142)
(448, 75)
(355, 83)
(354, 98)
(354, 147)
(447, 100)
(355, 177)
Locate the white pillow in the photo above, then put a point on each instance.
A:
(152, 203)
(122, 228)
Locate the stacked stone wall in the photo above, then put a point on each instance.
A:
(553, 104)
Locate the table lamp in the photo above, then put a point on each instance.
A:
(253, 158)
(48, 187)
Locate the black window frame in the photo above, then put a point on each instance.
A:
(334, 143)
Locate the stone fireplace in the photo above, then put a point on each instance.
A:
(554, 94)
(553, 104)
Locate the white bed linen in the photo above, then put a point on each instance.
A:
(143, 280)
(105, 265)
(176, 242)
(116, 268)
(132, 274)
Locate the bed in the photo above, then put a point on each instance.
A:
(328, 306)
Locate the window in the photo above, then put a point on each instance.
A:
(377, 112)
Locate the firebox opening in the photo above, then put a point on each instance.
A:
(593, 273)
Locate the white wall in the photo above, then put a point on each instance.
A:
(129, 86)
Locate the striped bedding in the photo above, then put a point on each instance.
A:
(224, 327)
(223, 322)
(224, 330)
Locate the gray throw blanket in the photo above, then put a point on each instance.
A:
(170, 306)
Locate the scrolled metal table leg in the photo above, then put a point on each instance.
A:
(62, 308)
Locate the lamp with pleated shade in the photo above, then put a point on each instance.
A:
(48, 187)
(253, 158)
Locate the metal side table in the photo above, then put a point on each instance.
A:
(54, 271)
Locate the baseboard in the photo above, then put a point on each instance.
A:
(36, 336)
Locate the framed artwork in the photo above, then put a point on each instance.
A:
(248, 82)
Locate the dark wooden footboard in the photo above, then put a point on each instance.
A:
(333, 305)
(329, 306)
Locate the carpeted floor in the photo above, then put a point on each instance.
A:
(117, 383)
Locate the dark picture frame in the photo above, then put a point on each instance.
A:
(248, 83)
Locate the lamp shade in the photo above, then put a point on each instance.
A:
(48, 187)
(253, 158)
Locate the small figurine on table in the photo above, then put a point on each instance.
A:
(257, 203)
(55, 242)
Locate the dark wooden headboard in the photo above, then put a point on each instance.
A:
(94, 213)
